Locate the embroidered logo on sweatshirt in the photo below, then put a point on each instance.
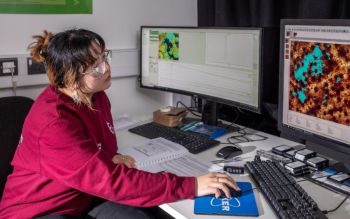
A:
(99, 146)
(110, 127)
(20, 140)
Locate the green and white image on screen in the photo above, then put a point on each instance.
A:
(168, 45)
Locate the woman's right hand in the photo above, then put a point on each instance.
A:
(129, 161)
(212, 183)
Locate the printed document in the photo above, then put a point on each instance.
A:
(159, 154)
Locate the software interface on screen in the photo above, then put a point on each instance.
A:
(221, 63)
(316, 80)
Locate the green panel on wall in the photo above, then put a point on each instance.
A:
(46, 6)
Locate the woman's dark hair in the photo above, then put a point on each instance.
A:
(67, 54)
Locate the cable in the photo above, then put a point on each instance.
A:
(238, 139)
(180, 102)
(234, 120)
(195, 101)
(249, 190)
(231, 126)
(333, 210)
(243, 137)
(187, 108)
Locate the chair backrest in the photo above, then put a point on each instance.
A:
(13, 111)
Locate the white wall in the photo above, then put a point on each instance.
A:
(118, 22)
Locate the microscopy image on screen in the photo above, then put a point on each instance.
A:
(168, 46)
(319, 80)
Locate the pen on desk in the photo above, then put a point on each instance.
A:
(227, 160)
(191, 126)
(188, 126)
(234, 159)
(198, 124)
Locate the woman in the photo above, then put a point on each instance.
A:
(67, 156)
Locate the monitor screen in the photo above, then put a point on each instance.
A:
(314, 81)
(218, 64)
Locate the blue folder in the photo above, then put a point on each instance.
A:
(208, 130)
(244, 205)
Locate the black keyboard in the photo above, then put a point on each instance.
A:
(284, 194)
(194, 142)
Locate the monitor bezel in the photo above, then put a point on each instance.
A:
(204, 96)
(298, 133)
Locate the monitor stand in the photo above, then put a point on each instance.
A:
(210, 114)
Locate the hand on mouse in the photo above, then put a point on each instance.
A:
(212, 183)
(125, 159)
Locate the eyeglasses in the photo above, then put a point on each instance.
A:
(101, 68)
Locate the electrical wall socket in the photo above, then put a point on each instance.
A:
(35, 67)
(124, 64)
(8, 66)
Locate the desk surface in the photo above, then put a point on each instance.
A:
(325, 198)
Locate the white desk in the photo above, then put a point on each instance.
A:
(325, 199)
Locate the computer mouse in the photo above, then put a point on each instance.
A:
(234, 193)
(228, 152)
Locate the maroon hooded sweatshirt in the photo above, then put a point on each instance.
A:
(64, 160)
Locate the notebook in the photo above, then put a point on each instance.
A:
(159, 154)
(244, 205)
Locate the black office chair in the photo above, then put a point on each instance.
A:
(13, 111)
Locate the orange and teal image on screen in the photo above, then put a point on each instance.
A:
(319, 80)
(168, 45)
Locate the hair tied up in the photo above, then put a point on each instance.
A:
(38, 49)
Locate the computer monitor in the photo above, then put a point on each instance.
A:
(221, 65)
(314, 101)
